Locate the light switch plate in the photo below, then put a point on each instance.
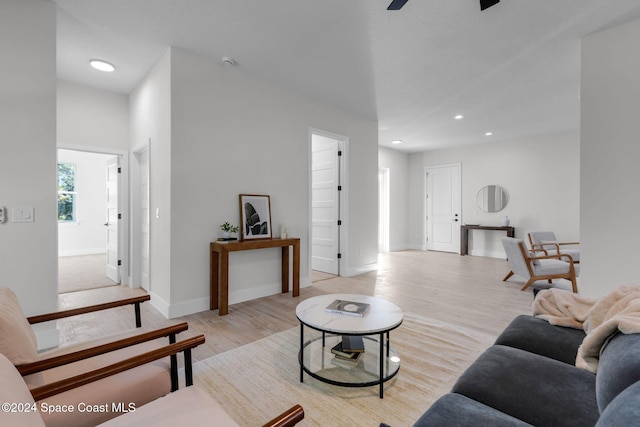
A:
(23, 214)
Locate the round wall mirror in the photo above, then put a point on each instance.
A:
(491, 198)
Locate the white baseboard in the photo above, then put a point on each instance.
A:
(402, 247)
(416, 247)
(171, 311)
(78, 252)
(361, 269)
(488, 254)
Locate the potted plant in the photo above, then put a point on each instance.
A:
(227, 229)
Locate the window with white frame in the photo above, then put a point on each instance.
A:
(67, 192)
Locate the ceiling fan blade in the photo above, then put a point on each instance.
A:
(397, 4)
(485, 4)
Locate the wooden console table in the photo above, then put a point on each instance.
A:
(464, 234)
(219, 267)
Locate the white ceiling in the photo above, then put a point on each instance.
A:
(513, 69)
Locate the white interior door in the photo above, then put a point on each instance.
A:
(113, 269)
(325, 204)
(144, 220)
(443, 208)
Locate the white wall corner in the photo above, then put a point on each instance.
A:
(159, 304)
(47, 335)
(188, 307)
(361, 269)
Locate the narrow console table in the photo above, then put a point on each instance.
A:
(219, 267)
(464, 234)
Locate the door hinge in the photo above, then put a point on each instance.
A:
(339, 187)
(339, 222)
(339, 256)
(339, 153)
(119, 169)
(119, 262)
(119, 216)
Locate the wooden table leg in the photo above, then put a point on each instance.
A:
(223, 309)
(285, 269)
(214, 272)
(296, 269)
(464, 241)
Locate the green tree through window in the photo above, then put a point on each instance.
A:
(67, 192)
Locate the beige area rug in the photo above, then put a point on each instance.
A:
(79, 273)
(259, 380)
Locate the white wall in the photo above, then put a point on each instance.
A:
(230, 134)
(398, 165)
(150, 120)
(28, 261)
(89, 117)
(86, 235)
(610, 131)
(540, 173)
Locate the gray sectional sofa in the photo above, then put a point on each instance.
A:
(528, 377)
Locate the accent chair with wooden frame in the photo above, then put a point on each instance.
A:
(187, 406)
(546, 242)
(533, 268)
(42, 369)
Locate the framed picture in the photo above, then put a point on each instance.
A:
(255, 217)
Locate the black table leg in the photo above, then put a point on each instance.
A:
(301, 350)
(381, 365)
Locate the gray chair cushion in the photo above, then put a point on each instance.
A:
(619, 367)
(538, 336)
(457, 410)
(533, 388)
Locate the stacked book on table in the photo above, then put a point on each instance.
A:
(349, 349)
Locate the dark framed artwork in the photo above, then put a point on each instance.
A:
(255, 216)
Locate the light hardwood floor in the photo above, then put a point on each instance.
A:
(466, 291)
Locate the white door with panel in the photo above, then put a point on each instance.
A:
(443, 208)
(113, 268)
(325, 204)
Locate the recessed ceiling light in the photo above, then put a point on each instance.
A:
(101, 65)
(459, 117)
(488, 134)
(396, 141)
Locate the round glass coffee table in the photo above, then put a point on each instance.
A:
(379, 362)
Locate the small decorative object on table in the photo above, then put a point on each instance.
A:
(350, 308)
(227, 229)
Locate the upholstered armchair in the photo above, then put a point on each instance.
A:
(42, 369)
(188, 406)
(533, 267)
(546, 242)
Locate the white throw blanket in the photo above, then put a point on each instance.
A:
(599, 318)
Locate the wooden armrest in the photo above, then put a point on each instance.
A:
(556, 256)
(288, 418)
(534, 249)
(542, 245)
(64, 359)
(569, 243)
(88, 309)
(61, 386)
